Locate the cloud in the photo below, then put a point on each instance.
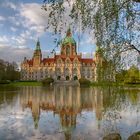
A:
(36, 19)
(33, 13)
(2, 18)
(10, 5)
(22, 40)
(33, 17)
(13, 29)
(27, 22)
(9, 53)
(90, 39)
(3, 39)
(15, 20)
(17, 54)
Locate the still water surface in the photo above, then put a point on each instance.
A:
(68, 113)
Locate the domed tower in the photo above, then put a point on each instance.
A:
(37, 57)
(68, 45)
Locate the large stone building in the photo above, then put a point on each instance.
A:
(68, 65)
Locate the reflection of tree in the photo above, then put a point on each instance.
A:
(133, 96)
(115, 101)
(6, 94)
(112, 97)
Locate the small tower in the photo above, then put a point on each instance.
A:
(68, 44)
(37, 57)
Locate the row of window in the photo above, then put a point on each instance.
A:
(68, 63)
(57, 71)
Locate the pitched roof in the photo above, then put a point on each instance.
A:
(30, 62)
(87, 60)
(46, 60)
(63, 57)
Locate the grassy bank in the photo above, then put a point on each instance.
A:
(114, 84)
(85, 83)
(26, 83)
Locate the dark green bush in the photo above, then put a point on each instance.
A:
(84, 82)
(28, 80)
(4, 82)
(47, 81)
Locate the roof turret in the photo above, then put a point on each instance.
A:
(68, 39)
(38, 45)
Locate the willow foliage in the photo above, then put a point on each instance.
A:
(115, 24)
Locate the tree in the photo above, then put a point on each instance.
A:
(120, 76)
(113, 23)
(132, 75)
(2, 69)
(8, 71)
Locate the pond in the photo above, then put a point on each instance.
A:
(68, 113)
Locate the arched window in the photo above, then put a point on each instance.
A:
(75, 71)
(51, 72)
(41, 73)
(67, 71)
(67, 62)
(46, 73)
(88, 73)
(84, 72)
(59, 62)
(58, 71)
(76, 62)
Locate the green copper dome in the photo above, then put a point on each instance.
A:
(68, 40)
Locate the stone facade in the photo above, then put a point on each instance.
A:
(68, 65)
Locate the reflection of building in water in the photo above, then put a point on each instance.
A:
(65, 101)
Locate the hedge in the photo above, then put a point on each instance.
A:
(47, 81)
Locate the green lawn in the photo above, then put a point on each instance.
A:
(30, 83)
(26, 83)
(114, 84)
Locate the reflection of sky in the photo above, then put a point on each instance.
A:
(17, 123)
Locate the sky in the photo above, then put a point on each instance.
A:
(22, 22)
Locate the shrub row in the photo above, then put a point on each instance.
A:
(84, 82)
(4, 82)
(47, 81)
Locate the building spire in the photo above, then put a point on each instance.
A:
(69, 31)
(38, 45)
